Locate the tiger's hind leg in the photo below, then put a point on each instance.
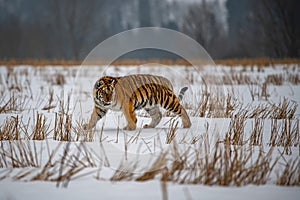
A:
(155, 115)
(186, 122)
(180, 111)
(172, 104)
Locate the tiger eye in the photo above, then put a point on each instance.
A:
(110, 81)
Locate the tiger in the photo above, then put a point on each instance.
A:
(134, 92)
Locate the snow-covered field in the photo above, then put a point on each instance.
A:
(243, 143)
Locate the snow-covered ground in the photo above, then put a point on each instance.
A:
(93, 189)
(244, 134)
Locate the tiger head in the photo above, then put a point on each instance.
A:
(104, 90)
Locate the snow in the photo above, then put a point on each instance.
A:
(143, 146)
(93, 189)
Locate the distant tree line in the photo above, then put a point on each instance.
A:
(256, 28)
(264, 28)
(70, 29)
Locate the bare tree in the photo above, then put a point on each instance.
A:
(9, 29)
(279, 21)
(202, 24)
(75, 23)
(272, 28)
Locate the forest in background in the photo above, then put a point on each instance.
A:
(69, 30)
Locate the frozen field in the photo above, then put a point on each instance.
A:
(243, 143)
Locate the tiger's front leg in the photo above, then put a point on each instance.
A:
(128, 111)
(95, 117)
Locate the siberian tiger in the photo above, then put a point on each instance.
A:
(134, 92)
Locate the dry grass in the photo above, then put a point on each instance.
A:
(19, 154)
(15, 103)
(125, 172)
(81, 134)
(171, 133)
(257, 132)
(214, 103)
(240, 77)
(14, 128)
(62, 127)
(290, 175)
(63, 122)
(10, 130)
(227, 62)
(257, 62)
(5, 173)
(262, 111)
(284, 134)
(58, 168)
(38, 62)
(16, 92)
(41, 129)
(285, 109)
(57, 79)
(50, 102)
(294, 79)
(275, 79)
(235, 133)
(258, 91)
(229, 78)
(235, 161)
(225, 165)
(158, 167)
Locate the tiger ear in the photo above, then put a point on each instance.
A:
(98, 84)
(116, 79)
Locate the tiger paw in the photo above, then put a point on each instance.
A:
(187, 125)
(148, 126)
(129, 128)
